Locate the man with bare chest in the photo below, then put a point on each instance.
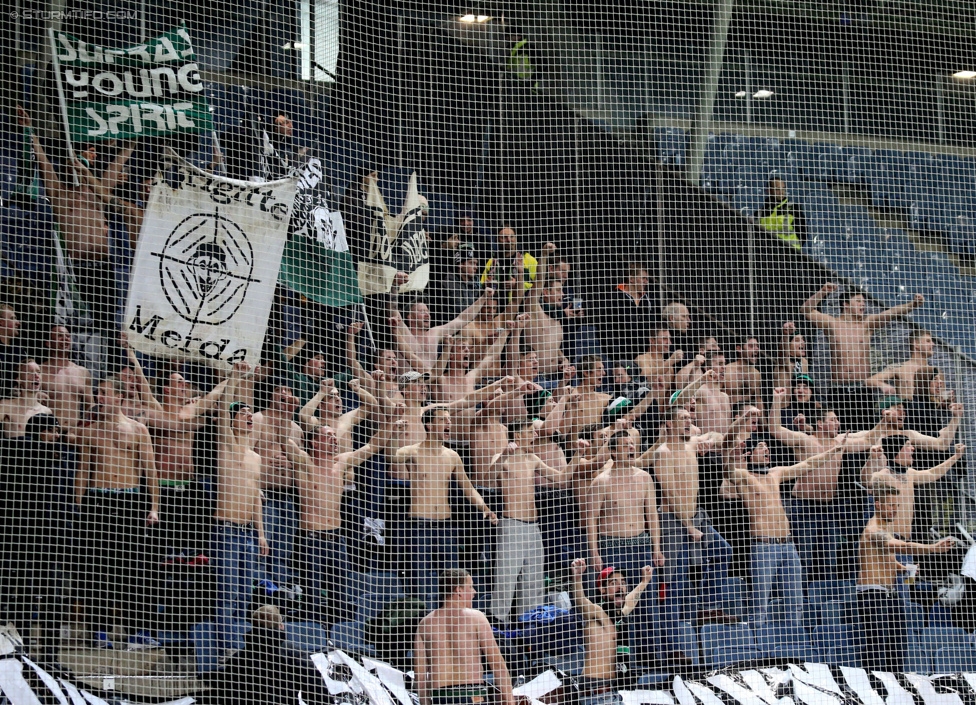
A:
(520, 550)
(273, 427)
(321, 558)
(237, 537)
(883, 635)
(430, 467)
(849, 335)
(68, 386)
(899, 380)
(590, 403)
(775, 562)
(743, 382)
(116, 458)
(714, 407)
(17, 411)
(623, 531)
(687, 533)
(452, 644)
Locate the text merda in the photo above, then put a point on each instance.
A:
(178, 342)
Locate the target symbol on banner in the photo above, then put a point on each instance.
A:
(205, 268)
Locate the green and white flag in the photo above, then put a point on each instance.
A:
(317, 263)
(152, 89)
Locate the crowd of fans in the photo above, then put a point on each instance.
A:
(471, 436)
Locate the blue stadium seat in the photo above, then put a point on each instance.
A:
(306, 636)
(205, 651)
(654, 679)
(858, 163)
(836, 646)
(917, 658)
(783, 641)
(348, 636)
(442, 213)
(371, 604)
(935, 638)
(686, 641)
(385, 582)
(954, 659)
(736, 600)
(726, 645)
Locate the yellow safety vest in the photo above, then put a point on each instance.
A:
(518, 61)
(781, 225)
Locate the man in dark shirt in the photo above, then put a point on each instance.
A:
(627, 315)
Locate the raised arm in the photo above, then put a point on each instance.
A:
(944, 441)
(885, 539)
(298, 458)
(440, 367)
(881, 381)
(492, 354)
(692, 389)
(793, 439)
(352, 354)
(877, 320)
(224, 433)
(306, 415)
(792, 472)
(380, 440)
(934, 474)
(630, 602)
(145, 390)
(535, 293)
(466, 316)
(53, 187)
(204, 404)
(111, 176)
(809, 307)
(589, 611)
(876, 462)
(104, 194)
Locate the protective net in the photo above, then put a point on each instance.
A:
(365, 352)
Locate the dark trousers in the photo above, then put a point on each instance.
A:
(854, 405)
(324, 569)
(883, 637)
(114, 550)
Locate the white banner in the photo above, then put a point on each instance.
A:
(206, 266)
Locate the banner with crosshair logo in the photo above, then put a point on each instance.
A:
(206, 266)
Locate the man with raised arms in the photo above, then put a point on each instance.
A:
(321, 476)
(430, 466)
(601, 621)
(116, 458)
(451, 645)
(68, 386)
(849, 335)
(774, 561)
(237, 537)
(882, 636)
(417, 340)
(687, 533)
(521, 555)
(658, 361)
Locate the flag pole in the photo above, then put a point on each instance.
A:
(369, 328)
(62, 101)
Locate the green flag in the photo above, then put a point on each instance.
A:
(316, 262)
(147, 90)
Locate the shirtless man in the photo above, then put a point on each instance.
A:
(383, 385)
(480, 334)
(686, 529)
(622, 526)
(792, 359)
(453, 376)
(544, 332)
(714, 407)
(600, 624)
(656, 363)
(68, 386)
(451, 645)
(80, 214)
(883, 633)
(238, 530)
(15, 412)
(322, 475)
(899, 380)
(742, 380)
(327, 402)
(903, 477)
(519, 549)
(173, 424)
(849, 335)
(430, 467)
(415, 338)
(589, 407)
(707, 344)
(116, 457)
(775, 561)
(273, 428)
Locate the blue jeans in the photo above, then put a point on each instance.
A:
(280, 525)
(816, 528)
(325, 568)
(631, 555)
(233, 555)
(713, 554)
(776, 565)
(432, 547)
